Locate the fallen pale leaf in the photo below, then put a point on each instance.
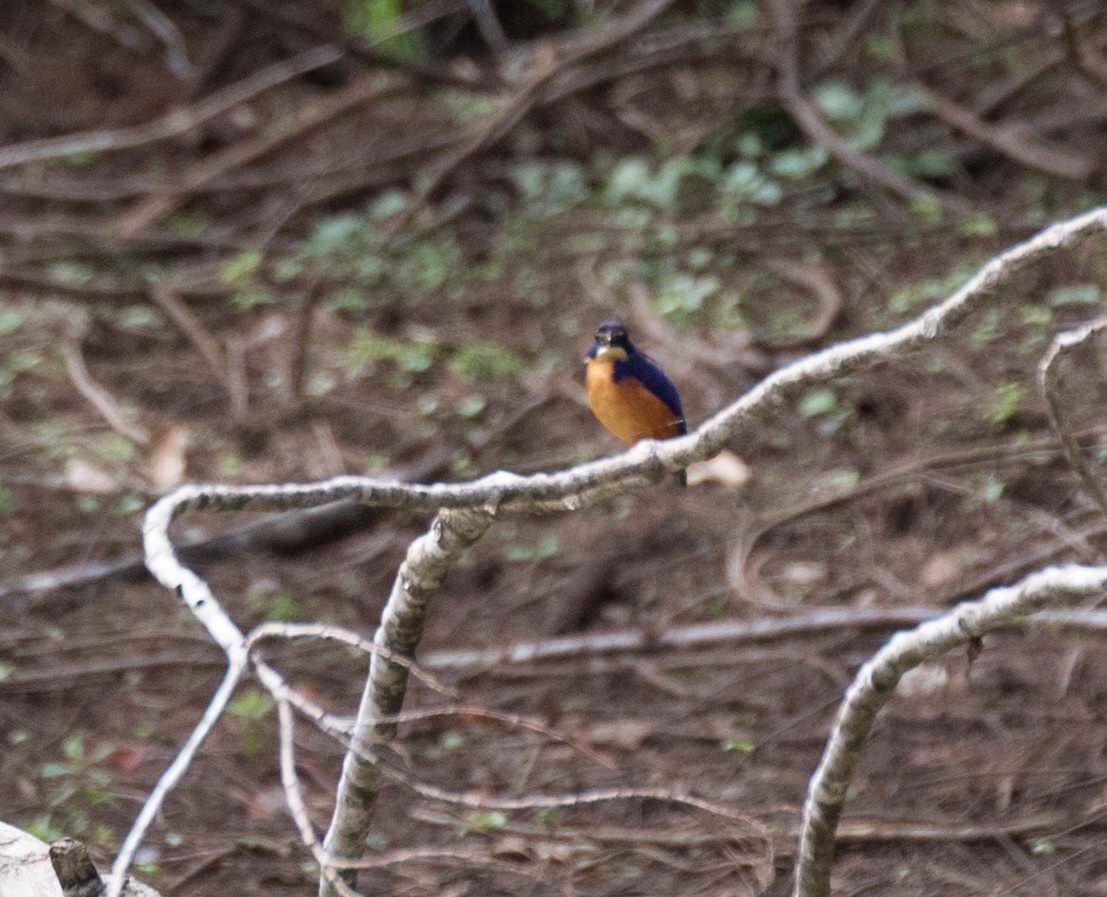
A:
(940, 569)
(725, 468)
(84, 476)
(168, 460)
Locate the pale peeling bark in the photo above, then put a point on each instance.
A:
(876, 681)
(465, 510)
(428, 560)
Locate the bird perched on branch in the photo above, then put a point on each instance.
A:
(628, 391)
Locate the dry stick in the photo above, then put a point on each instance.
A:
(301, 340)
(623, 641)
(192, 327)
(529, 93)
(571, 489)
(201, 174)
(810, 120)
(1011, 141)
(827, 295)
(100, 398)
(1048, 376)
(199, 598)
(173, 123)
(876, 681)
(497, 660)
(162, 27)
(401, 629)
(294, 797)
(732, 633)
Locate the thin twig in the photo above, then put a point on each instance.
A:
(173, 123)
(100, 399)
(810, 120)
(301, 340)
(201, 174)
(1010, 141)
(163, 28)
(193, 328)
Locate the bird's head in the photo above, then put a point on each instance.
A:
(612, 342)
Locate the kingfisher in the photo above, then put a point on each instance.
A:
(627, 390)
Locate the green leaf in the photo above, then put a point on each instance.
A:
(798, 163)
(546, 547)
(978, 224)
(1076, 294)
(816, 402)
(743, 745)
(482, 821)
(378, 21)
(72, 273)
(486, 361)
(251, 704)
(471, 406)
(742, 14)
(1005, 402)
(838, 101)
(73, 748)
(242, 267)
(843, 479)
(11, 319)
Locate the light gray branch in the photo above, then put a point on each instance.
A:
(428, 560)
(1049, 376)
(876, 681)
(465, 509)
(649, 461)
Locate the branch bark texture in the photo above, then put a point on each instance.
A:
(429, 559)
(465, 510)
(876, 681)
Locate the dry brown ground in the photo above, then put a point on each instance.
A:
(917, 486)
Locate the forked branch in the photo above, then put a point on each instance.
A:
(470, 506)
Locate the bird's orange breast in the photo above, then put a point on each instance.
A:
(629, 410)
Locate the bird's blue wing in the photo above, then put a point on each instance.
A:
(647, 372)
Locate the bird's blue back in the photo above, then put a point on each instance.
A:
(645, 370)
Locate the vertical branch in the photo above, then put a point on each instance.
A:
(876, 681)
(1048, 376)
(428, 561)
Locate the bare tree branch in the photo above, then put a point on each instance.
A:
(466, 509)
(876, 681)
(649, 460)
(401, 629)
(1048, 376)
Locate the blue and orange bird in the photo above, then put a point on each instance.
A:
(628, 391)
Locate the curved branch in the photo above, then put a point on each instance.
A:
(649, 460)
(876, 681)
(1048, 376)
(466, 509)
